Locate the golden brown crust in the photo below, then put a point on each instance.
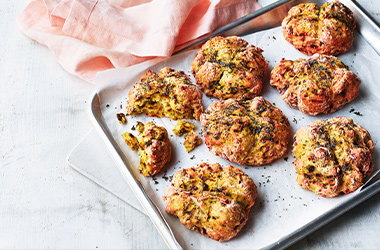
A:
(169, 93)
(153, 145)
(229, 68)
(247, 132)
(328, 29)
(318, 85)
(211, 200)
(333, 156)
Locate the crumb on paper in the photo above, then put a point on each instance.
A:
(131, 141)
(140, 127)
(121, 118)
(192, 140)
(182, 127)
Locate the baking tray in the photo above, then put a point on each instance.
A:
(266, 18)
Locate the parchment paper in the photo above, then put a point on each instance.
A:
(282, 206)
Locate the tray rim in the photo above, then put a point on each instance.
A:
(155, 214)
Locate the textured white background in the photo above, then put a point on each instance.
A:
(45, 204)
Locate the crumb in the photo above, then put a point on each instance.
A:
(192, 140)
(155, 180)
(131, 141)
(286, 159)
(107, 105)
(140, 127)
(183, 127)
(121, 118)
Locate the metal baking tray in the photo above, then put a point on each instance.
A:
(268, 17)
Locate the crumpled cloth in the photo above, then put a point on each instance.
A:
(88, 36)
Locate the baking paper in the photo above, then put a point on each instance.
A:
(282, 205)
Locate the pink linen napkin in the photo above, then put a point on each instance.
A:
(88, 36)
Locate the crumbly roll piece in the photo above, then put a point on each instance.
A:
(211, 200)
(247, 132)
(229, 67)
(121, 118)
(192, 141)
(153, 145)
(170, 93)
(333, 156)
(131, 141)
(328, 29)
(318, 85)
(183, 127)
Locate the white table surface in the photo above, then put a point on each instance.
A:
(45, 204)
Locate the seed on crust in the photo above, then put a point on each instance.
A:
(333, 156)
(229, 67)
(247, 132)
(318, 85)
(328, 29)
(212, 200)
(170, 93)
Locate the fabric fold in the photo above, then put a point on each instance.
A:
(88, 36)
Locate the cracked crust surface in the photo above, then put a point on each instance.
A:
(318, 85)
(328, 29)
(246, 132)
(332, 156)
(229, 67)
(212, 200)
(169, 93)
